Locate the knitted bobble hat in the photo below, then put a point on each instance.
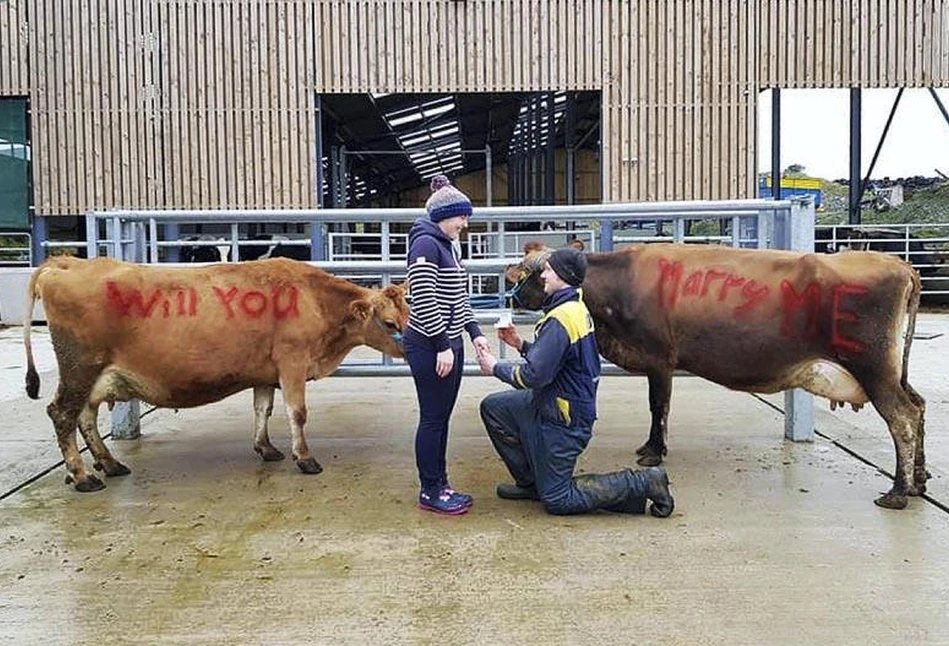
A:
(446, 201)
(570, 265)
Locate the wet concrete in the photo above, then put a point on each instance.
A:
(771, 542)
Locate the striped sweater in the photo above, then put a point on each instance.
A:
(438, 284)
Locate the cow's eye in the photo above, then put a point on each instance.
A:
(392, 326)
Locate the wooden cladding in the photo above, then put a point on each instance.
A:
(14, 63)
(680, 110)
(211, 103)
(862, 43)
(460, 46)
(173, 104)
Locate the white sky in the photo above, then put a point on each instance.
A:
(815, 132)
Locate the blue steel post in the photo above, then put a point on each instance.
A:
(37, 239)
(173, 254)
(92, 235)
(606, 235)
(799, 404)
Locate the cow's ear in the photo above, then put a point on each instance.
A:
(394, 292)
(361, 309)
(577, 244)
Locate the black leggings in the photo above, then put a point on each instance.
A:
(436, 399)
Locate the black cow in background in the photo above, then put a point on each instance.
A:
(276, 250)
(891, 241)
(930, 263)
(221, 252)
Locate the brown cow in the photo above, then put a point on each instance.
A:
(183, 337)
(838, 326)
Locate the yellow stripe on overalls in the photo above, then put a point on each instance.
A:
(574, 317)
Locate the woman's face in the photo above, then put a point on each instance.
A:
(452, 227)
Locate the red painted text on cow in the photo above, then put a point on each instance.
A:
(282, 302)
(708, 283)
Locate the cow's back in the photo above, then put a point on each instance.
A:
(187, 329)
(707, 309)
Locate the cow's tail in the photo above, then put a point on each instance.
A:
(912, 307)
(32, 377)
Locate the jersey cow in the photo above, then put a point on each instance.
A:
(183, 337)
(839, 326)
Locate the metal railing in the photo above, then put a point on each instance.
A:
(925, 246)
(16, 255)
(786, 224)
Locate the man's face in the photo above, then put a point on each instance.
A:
(552, 282)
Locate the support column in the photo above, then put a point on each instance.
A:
(173, 254)
(126, 420)
(316, 227)
(38, 236)
(570, 128)
(855, 140)
(799, 404)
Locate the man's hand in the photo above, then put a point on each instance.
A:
(444, 362)
(487, 361)
(510, 336)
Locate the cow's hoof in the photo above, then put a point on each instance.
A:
(310, 465)
(117, 469)
(891, 500)
(643, 450)
(269, 453)
(89, 483)
(649, 460)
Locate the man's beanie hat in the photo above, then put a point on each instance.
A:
(446, 201)
(570, 265)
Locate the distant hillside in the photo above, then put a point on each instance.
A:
(922, 204)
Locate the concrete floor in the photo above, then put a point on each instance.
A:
(770, 543)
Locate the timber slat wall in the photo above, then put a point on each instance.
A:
(211, 103)
(865, 43)
(14, 64)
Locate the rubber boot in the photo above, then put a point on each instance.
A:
(628, 491)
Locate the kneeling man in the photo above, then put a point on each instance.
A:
(542, 427)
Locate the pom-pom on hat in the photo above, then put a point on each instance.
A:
(570, 264)
(446, 201)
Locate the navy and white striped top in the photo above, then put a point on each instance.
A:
(438, 285)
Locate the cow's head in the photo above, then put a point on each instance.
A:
(385, 315)
(528, 292)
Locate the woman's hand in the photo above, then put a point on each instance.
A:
(444, 362)
(481, 346)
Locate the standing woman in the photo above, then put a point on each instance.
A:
(439, 311)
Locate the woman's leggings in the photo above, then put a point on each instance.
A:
(436, 399)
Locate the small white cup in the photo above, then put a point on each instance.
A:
(504, 320)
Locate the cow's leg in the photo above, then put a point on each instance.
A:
(78, 371)
(902, 416)
(660, 393)
(89, 428)
(920, 474)
(293, 385)
(64, 410)
(263, 408)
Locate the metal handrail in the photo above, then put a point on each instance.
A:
(26, 249)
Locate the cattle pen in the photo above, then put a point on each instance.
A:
(759, 224)
(771, 542)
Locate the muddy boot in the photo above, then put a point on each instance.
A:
(649, 484)
(628, 491)
(516, 492)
